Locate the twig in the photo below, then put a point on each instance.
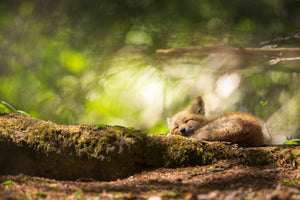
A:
(249, 51)
(280, 40)
(279, 60)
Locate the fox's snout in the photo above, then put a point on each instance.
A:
(182, 130)
(186, 130)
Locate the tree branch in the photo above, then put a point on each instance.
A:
(279, 60)
(248, 51)
(281, 40)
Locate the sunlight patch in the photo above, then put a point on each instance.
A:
(138, 37)
(226, 84)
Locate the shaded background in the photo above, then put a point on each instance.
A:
(94, 62)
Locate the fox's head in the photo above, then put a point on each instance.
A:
(186, 122)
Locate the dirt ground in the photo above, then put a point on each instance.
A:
(223, 180)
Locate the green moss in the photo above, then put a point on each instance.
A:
(100, 127)
(185, 152)
(296, 153)
(257, 157)
(72, 131)
(290, 156)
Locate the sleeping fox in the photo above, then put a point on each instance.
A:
(239, 128)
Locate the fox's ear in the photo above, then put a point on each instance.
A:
(169, 120)
(198, 106)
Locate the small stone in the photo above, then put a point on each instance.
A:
(154, 198)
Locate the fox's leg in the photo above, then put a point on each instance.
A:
(219, 130)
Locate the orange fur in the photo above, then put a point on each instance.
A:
(240, 128)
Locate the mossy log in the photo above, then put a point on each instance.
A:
(36, 147)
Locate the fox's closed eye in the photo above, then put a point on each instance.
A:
(187, 120)
(175, 129)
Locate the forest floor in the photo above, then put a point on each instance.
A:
(226, 179)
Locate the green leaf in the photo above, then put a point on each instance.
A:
(41, 194)
(78, 192)
(174, 194)
(289, 183)
(53, 185)
(8, 106)
(4, 109)
(292, 142)
(23, 112)
(9, 182)
(263, 103)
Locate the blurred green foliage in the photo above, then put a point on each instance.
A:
(94, 62)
